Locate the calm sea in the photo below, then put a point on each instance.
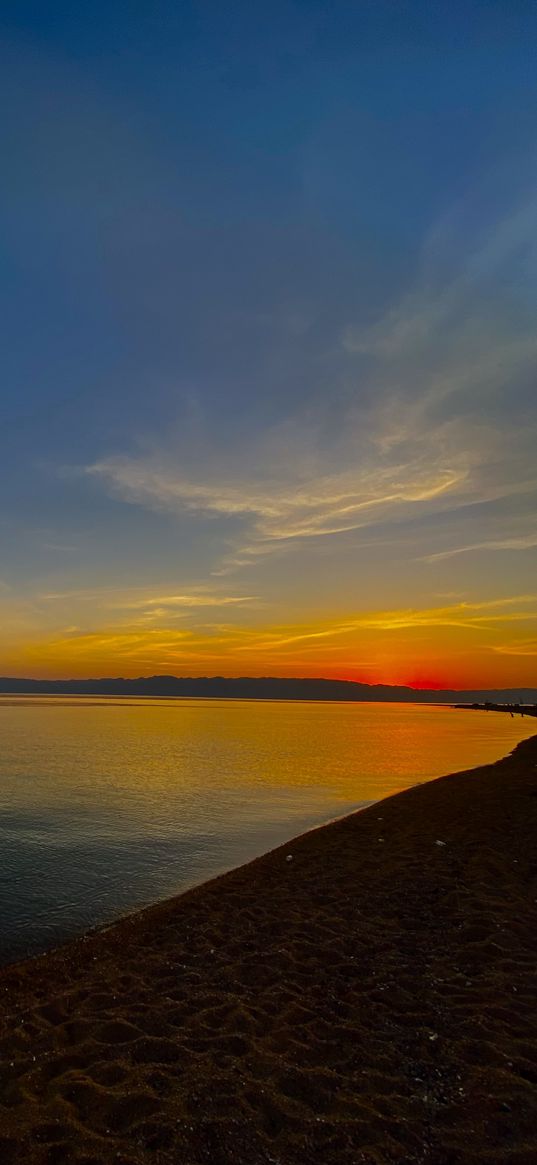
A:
(107, 805)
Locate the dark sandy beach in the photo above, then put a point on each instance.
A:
(371, 1000)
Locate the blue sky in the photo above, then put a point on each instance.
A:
(268, 313)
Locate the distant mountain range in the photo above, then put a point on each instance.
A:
(264, 688)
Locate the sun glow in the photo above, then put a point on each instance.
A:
(459, 644)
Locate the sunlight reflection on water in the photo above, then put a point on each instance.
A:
(108, 805)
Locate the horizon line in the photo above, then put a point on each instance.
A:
(285, 680)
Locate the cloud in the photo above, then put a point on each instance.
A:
(468, 317)
(189, 601)
(522, 647)
(475, 616)
(114, 598)
(133, 644)
(331, 504)
(454, 361)
(164, 608)
(431, 410)
(529, 542)
(113, 643)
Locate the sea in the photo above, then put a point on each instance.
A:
(109, 804)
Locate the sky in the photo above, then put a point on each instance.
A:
(269, 289)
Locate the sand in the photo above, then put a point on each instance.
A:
(372, 1000)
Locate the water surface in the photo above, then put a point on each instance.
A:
(109, 804)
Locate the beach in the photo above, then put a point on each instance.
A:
(364, 994)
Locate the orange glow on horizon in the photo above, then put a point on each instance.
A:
(487, 644)
(473, 672)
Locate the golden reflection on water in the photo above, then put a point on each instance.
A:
(106, 805)
(347, 752)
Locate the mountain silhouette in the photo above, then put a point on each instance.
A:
(261, 688)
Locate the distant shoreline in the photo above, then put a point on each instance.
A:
(101, 700)
(262, 688)
(516, 709)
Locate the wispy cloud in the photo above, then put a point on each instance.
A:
(476, 616)
(188, 601)
(440, 416)
(466, 324)
(116, 598)
(522, 647)
(330, 504)
(129, 641)
(528, 542)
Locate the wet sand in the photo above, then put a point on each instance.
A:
(371, 1000)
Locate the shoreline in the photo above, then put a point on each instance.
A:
(308, 1009)
(132, 915)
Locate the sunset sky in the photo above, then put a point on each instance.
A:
(269, 289)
